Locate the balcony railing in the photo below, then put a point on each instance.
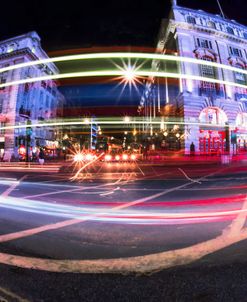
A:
(203, 91)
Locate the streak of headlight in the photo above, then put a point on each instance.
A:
(137, 73)
(86, 165)
(111, 215)
(123, 55)
(104, 122)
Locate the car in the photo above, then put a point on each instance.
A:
(119, 157)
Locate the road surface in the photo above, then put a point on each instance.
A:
(53, 221)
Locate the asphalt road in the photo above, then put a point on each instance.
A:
(115, 211)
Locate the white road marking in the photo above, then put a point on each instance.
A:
(11, 295)
(12, 187)
(187, 177)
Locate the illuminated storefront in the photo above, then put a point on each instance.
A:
(213, 131)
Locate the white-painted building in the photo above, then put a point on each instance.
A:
(26, 102)
(200, 35)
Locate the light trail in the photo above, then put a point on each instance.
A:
(115, 215)
(121, 73)
(123, 55)
(109, 122)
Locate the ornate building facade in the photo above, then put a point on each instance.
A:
(214, 114)
(27, 103)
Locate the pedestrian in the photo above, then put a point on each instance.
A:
(192, 149)
(41, 156)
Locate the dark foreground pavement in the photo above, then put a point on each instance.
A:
(198, 282)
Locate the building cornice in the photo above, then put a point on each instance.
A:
(216, 17)
(174, 25)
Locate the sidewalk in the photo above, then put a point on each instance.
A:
(30, 166)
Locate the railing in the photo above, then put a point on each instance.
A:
(211, 92)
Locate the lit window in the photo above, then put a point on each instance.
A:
(211, 24)
(10, 48)
(211, 115)
(241, 119)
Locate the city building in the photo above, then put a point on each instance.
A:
(29, 103)
(213, 114)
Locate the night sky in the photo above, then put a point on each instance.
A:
(86, 23)
(64, 25)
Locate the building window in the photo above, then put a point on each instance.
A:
(241, 120)
(2, 81)
(230, 30)
(1, 105)
(245, 35)
(235, 51)
(208, 72)
(2, 124)
(204, 43)
(240, 77)
(191, 20)
(211, 24)
(47, 102)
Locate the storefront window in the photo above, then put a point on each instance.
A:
(241, 120)
(213, 116)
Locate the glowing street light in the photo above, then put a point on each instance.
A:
(86, 121)
(129, 74)
(126, 119)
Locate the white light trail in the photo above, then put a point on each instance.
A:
(123, 55)
(107, 73)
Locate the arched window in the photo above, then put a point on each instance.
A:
(213, 115)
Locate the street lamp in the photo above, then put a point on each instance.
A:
(87, 121)
(126, 119)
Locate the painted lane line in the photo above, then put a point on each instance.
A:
(137, 264)
(186, 176)
(33, 231)
(12, 187)
(11, 295)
